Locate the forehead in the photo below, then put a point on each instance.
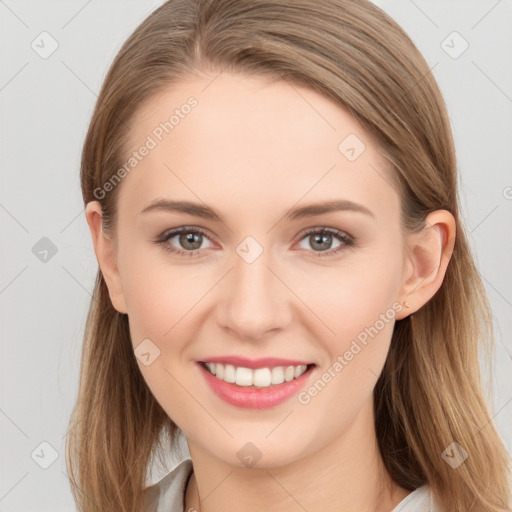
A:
(240, 136)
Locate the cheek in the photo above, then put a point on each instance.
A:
(355, 295)
(358, 304)
(158, 294)
(160, 299)
(362, 316)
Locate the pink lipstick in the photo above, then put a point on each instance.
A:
(255, 384)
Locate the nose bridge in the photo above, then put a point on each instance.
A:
(256, 301)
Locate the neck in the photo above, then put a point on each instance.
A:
(346, 474)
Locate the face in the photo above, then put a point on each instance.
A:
(252, 272)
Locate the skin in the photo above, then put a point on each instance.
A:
(251, 150)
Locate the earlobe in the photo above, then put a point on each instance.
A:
(105, 250)
(428, 255)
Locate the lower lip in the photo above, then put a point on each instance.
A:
(254, 398)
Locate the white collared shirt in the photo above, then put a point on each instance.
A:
(168, 494)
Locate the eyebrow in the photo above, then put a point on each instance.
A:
(205, 212)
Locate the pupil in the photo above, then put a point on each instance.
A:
(318, 239)
(192, 239)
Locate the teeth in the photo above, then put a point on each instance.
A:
(261, 378)
(229, 373)
(277, 375)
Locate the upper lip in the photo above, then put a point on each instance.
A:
(264, 362)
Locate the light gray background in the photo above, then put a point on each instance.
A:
(46, 104)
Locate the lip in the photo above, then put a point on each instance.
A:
(255, 398)
(254, 364)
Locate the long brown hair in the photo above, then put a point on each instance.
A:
(429, 393)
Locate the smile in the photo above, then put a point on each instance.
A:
(260, 378)
(255, 388)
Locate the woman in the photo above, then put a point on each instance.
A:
(284, 277)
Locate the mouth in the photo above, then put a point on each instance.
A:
(260, 387)
(255, 377)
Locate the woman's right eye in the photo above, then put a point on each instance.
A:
(189, 239)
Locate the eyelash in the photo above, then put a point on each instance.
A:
(347, 240)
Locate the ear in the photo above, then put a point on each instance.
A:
(427, 256)
(105, 250)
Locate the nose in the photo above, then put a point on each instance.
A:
(255, 300)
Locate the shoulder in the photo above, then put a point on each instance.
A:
(420, 500)
(168, 493)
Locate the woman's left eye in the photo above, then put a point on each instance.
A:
(319, 238)
(191, 240)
